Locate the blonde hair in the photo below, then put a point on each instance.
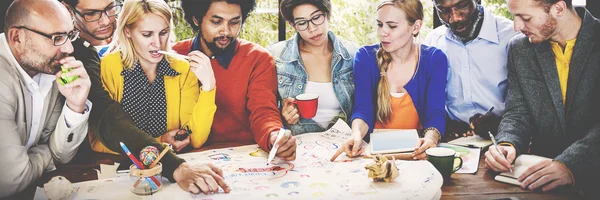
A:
(414, 11)
(133, 11)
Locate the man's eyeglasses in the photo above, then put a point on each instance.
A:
(301, 25)
(58, 38)
(463, 5)
(95, 15)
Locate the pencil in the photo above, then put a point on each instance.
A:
(174, 54)
(153, 183)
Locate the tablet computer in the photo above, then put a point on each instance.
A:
(395, 141)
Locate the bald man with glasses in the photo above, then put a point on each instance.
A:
(42, 121)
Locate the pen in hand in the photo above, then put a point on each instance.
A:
(275, 145)
(498, 149)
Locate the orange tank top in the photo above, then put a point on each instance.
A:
(404, 115)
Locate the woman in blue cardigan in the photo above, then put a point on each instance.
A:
(400, 84)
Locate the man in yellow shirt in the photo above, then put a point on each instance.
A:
(554, 74)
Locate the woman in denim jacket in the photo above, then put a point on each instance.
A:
(313, 61)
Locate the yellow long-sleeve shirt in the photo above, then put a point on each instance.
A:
(186, 103)
(562, 64)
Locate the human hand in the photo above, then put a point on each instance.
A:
(422, 145)
(496, 161)
(169, 137)
(76, 91)
(201, 67)
(205, 178)
(351, 146)
(482, 124)
(286, 145)
(289, 111)
(547, 174)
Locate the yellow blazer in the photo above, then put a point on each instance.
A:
(185, 101)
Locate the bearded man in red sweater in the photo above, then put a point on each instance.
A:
(245, 75)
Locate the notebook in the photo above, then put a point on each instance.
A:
(472, 141)
(522, 162)
(393, 141)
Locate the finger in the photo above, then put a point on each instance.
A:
(221, 182)
(76, 83)
(287, 135)
(356, 145)
(66, 60)
(541, 181)
(78, 70)
(200, 183)
(295, 119)
(533, 169)
(494, 163)
(291, 157)
(498, 157)
(490, 166)
(511, 154)
(211, 183)
(215, 169)
(337, 153)
(288, 101)
(419, 143)
(193, 188)
(288, 148)
(360, 151)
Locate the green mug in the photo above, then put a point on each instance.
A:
(443, 159)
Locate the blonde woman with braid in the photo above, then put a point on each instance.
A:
(400, 84)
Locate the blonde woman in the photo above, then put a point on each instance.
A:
(401, 84)
(160, 92)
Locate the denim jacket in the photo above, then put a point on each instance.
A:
(292, 78)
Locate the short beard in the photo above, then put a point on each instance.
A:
(42, 65)
(475, 20)
(546, 30)
(214, 49)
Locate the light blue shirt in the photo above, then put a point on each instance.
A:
(477, 73)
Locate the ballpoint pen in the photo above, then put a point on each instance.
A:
(496, 145)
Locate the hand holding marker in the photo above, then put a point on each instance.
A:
(64, 79)
(275, 145)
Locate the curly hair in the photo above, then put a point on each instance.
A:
(198, 8)
(286, 7)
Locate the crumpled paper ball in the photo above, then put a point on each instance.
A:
(58, 188)
(383, 169)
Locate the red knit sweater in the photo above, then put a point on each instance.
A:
(246, 95)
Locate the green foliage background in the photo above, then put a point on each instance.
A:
(353, 20)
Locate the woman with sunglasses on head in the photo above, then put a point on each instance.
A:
(160, 92)
(401, 83)
(314, 61)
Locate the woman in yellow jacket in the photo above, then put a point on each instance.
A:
(160, 92)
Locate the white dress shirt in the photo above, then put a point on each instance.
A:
(477, 73)
(38, 89)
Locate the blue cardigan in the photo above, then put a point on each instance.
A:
(427, 89)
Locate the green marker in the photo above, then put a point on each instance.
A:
(64, 79)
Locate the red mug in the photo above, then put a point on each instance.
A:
(307, 105)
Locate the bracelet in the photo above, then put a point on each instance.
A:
(435, 130)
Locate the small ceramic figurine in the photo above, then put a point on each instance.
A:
(383, 169)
